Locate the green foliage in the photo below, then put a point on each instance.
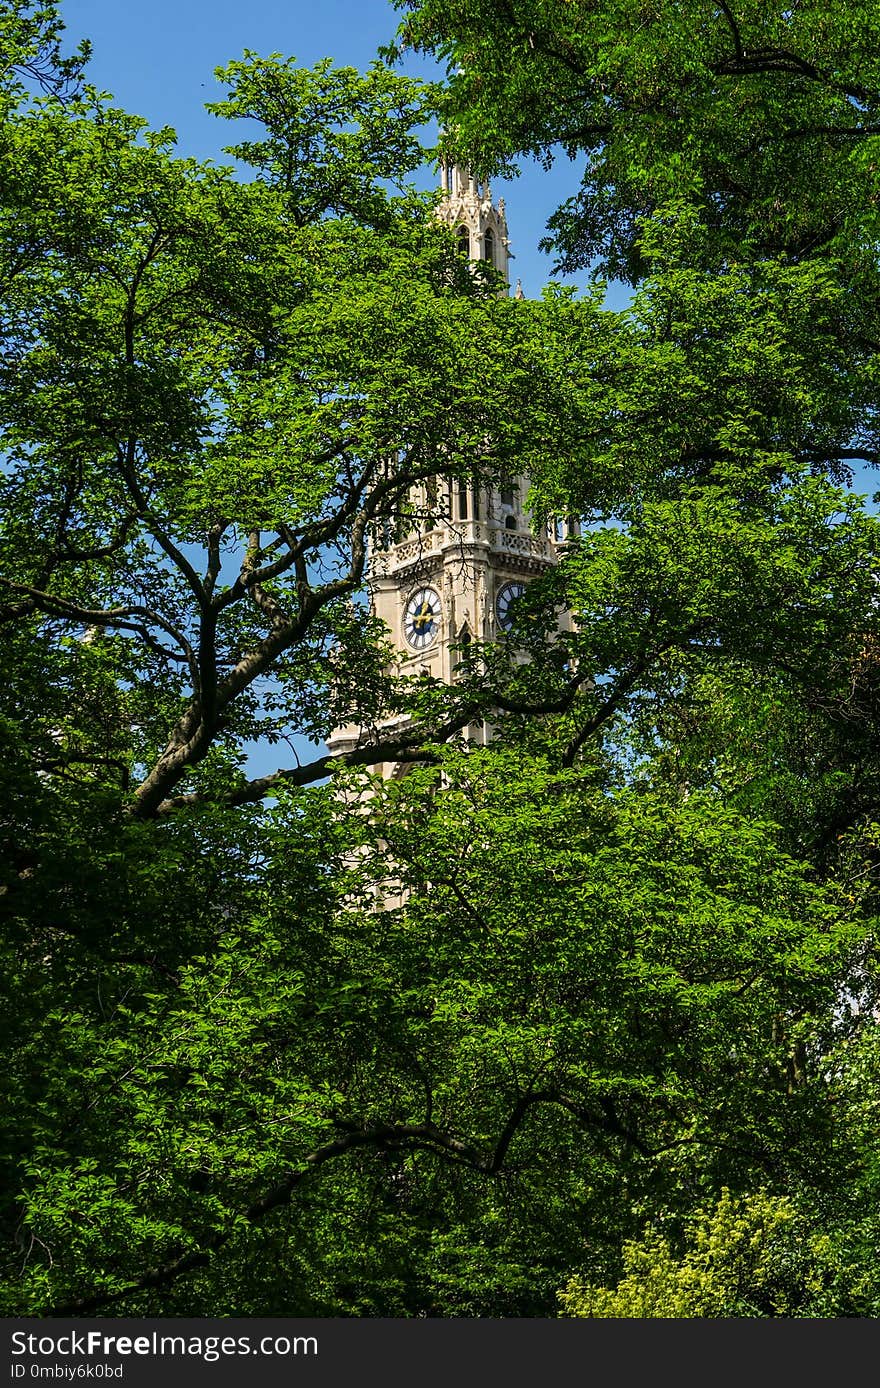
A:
(203, 383)
(759, 1254)
(596, 997)
(330, 136)
(31, 45)
(586, 1005)
(763, 114)
(745, 1257)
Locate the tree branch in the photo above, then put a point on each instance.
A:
(382, 1137)
(379, 1136)
(733, 27)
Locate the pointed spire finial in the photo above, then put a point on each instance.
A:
(518, 292)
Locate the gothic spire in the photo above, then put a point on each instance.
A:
(480, 223)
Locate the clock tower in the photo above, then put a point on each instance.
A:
(471, 548)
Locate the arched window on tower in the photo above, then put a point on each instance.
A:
(465, 663)
(464, 241)
(489, 246)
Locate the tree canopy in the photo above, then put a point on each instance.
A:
(581, 1020)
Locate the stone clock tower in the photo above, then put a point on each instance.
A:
(472, 549)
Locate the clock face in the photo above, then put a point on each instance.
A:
(507, 595)
(421, 620)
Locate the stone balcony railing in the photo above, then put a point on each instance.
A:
(519, 543)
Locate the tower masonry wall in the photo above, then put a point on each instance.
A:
(466, 551)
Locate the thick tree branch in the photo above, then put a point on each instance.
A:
(196, 728)
(407, 745)
(733, 27)
(378, 1136)
(426, 1136)
(759, 60)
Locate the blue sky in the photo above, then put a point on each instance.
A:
(159, 60)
